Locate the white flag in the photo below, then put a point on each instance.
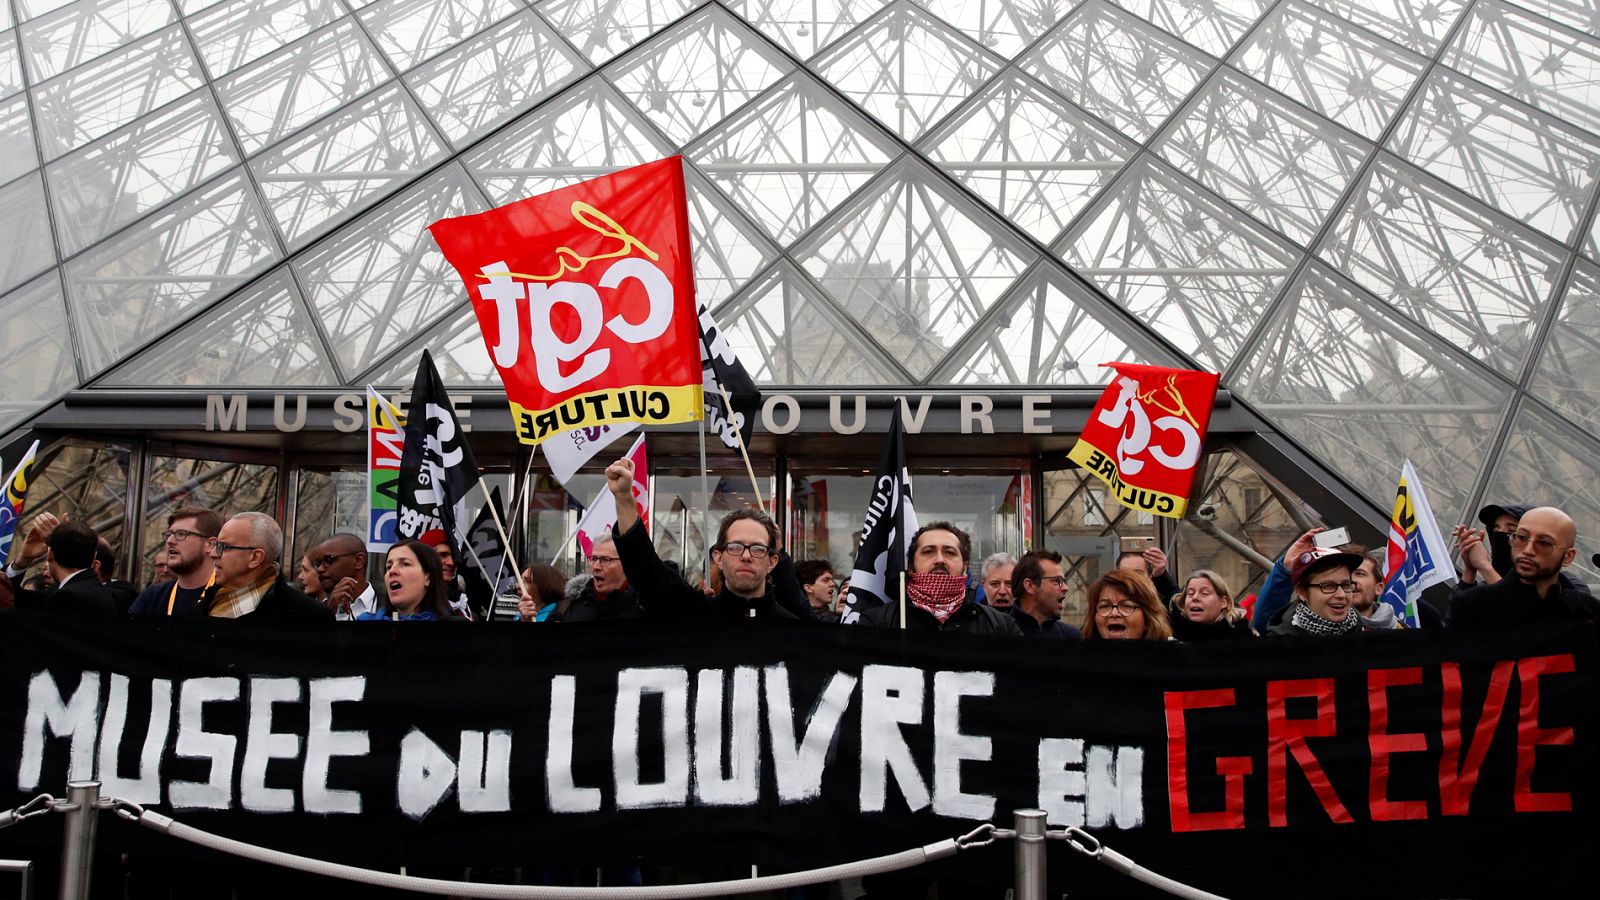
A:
(568, 451)
(1418, 557)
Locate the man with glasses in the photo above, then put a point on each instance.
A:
(1535, 590)
(1040, 584)
(757, 581)
(249, 582)
(607, 596)
(341, 566)
(186, 551)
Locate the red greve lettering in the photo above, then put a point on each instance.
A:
(1530, 736)
(1383, 744)
(1233, 769)
(1286, 735)
(1457, 778)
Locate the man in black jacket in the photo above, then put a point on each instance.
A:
(1039, 584)
(607, 596)
(1544, 543)
(937, 595)
(249, 582)
(69, 555)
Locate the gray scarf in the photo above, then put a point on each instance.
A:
(1382, 618)
(1311, 623)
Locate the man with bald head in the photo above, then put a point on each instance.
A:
(1536, 590)
(249, 580)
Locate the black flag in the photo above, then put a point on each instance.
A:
(885, 532)
(436, 467)
(483, 563)
(719, 369)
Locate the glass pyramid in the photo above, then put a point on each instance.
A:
(1375, 217)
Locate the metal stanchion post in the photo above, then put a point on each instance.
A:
(77, 846)
(24, 869)
(1031, 864)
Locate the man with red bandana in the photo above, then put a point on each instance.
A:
(937, 596)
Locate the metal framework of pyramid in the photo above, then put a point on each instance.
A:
(1375, 217)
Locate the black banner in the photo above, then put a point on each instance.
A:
(1409, 764)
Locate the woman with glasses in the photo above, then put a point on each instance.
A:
(1324, 595)
(1123, 606)
(1206, 611)
(417, 592)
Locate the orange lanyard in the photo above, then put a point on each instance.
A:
(173, 597)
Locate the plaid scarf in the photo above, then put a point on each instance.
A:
(231, 603)
(1310, 622)
(937, 594)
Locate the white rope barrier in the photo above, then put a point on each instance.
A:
(1090, 846)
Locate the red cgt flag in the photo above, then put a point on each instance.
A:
(1145, 435)
(586, 300)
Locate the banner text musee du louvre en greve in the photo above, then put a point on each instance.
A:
(798, 746)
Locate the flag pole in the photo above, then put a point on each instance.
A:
(516, 512)
(727, 405)
(902, 599)
(705, 490)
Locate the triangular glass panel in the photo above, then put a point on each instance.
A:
(36, 358)
(907, 68)
(1033, 156)
(458, 352)
(1003, 26)
(915, 262)
(262, 337)
(585, 132)
(792, 155)
(1117, 66)
(601, 29)
(1214, 25)
(1565, 377)
(785, 334)
(1479, 280)
(697, 72)
(126, 291)
(1052, 329)
(379, 280)
(1331, 66)
(728, 249)
(1280, 164)
(805, 28)
(1195, 271)
(1548, 463)
(1363, 391)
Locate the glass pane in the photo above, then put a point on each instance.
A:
(142, 282)
(1336, 69)
(1530, 59)
(233, 34)
(915, 263)
(86, 29)
(113, 181)
(1534, 169)
(410, 31)
(805, 28)
(728, 249)
(10, 64)
(228, 487)
(1117, 67)
(1565, 377)
(1194, 271)
(792, 155)
(681, 527)
(17, 150)
(584, 133)
(381, 279)
(785, 333)
(1417, 24)
(32, 9)
(260, 338)
(25, 245)
(908, 69)
(111, 92)
(327, 502)
(692, 77)
(601, 29)
(275, 97)
(1033, 156)
(494, 76)
(458, 353)
(1363, 392)
(324, 175)
(36, 359)
(81, 481)
(1580, 14)
(1244, 505)
(1003, 26)
(1547, 463)
(1479, 281)
(1084, 523)
(1213, 26)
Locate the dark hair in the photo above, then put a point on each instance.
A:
(548, 581)
(963, 540)
(1134, 554)
(107, 558)
(206, 521)
(438, 593)
(1140, 590)
(809, 570)
(1327, 564)
(73, 545)
(754, 515)
(1029, 567)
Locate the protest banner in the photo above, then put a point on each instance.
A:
(1418, 557)
(1145, 436)
(586, 300)
(385, 442)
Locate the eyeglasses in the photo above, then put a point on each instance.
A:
(182, 534)
(220, 548)
(1125, 608)
(1057, 580)
(757, 551)
(1333, 587)
(327, 561)
(1543, 545)
(602, 560)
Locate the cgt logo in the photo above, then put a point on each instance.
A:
(1142, 435)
